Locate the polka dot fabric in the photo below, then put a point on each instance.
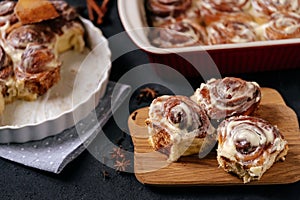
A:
(54, 153)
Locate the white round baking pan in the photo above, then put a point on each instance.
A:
(84, 77)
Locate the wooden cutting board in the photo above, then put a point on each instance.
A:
(151, 167)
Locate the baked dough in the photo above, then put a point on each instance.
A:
(222, 98)
(33, 11)
(30, 63)
(179, 127)
(249, 146)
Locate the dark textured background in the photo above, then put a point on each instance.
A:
(84, 178)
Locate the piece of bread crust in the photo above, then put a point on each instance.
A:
(33, 11)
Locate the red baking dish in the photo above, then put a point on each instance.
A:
(229, 58)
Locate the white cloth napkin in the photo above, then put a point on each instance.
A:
(54, 153)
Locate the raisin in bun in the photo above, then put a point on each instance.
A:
(178, 127)
(249, 146)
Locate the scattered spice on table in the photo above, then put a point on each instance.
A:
(105, 175)
(117, 153)
(121, 162)
(147, 94)
(122, 165)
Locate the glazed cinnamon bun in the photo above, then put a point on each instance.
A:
(38, 71)
(177, 126)
(65, 11)
(178, 34)
(7, 80)
(226, 97)
(29, 54)
(282, 26)
(164, 8)
(7, 15)
(249, 146)
(232, 30)
(214, 10)
(263, 9)
(20, 37)
(67, 27)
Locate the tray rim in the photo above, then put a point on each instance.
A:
(132, 15)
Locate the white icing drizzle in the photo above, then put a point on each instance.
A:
(190, 34)
(283, 25)
(231, 32)
(271, 6)
(182, 119)
(192, 122)
(191, 125)
(258, 141)
(232, 5)
(218, 106)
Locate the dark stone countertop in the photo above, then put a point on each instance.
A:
(87, 178)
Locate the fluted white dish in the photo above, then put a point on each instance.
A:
(84, 77)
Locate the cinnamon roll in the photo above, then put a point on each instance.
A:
(7, 80)
(249, 146)
(164, 8)
(214, 10)
(232, 30)
(177, 126)
(38, 71)
(29, 54)
(20, 37)
(282, 26)
(263, 9)
(67, 27)
(7, 15)
(178, 34)
(65, 11)
(226, 97)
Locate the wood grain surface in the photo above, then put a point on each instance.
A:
(151, 167)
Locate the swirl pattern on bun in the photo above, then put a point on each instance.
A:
(178, 34)
(229, 96)
(7, 15)
(20, 37)
(263, 9)
(38, 71)
(177, 126)
(164, 8)
(282, 26)
(214, 10)
(233, 29)
(249, 146)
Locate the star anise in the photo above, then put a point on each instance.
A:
(121, 165)
(117, 153)
(147, 94)
(92, 7)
